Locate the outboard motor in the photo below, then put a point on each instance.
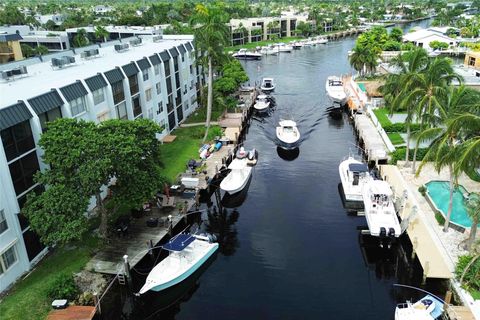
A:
(391, 233)
(252, 154)
(383, 232)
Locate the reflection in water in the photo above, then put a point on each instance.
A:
(350, 206)
(288, 154)
(382, 261)
(335, 116)
(222, 224)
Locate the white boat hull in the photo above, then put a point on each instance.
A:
(336, 92)
(288, 134)
(352, 190)
(236, 180)
(172, 271)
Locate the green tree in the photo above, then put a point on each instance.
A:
(80, 39)
(101, 33)
(473, 210)
(303, 29)
(396, 34)
(11, 15)
(50, 25)
(438, 45)
(84, 158)
(211, 36)
(41, 50)
(27, 51)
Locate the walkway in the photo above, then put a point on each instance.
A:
(196, 124)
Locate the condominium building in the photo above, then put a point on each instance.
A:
(264, 28)
(149, 77)
(116, 32)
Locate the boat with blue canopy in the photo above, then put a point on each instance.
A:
(187, 253)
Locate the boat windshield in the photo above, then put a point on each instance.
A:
(335, 83)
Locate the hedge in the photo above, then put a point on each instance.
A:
(401, 127)
(399, 154)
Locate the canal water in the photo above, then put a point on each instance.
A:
(289, 249)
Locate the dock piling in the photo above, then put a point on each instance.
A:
(126, 268)
(96, 302)
(150, 246)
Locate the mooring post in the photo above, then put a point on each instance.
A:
(150, 247)
(96, 302)
(216, 167)
(197, 198)
(425, 271)
(448, 297)
(170, 224)
(126, 267)
(414, 247)
(184, 210)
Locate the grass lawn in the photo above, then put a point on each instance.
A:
(475, 295)
(382, 116)
(28, 300)
(200, 115)
(261, 43)
(175, 155)
(395, 138)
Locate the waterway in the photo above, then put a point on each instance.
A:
(291, 250)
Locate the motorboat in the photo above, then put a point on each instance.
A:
(270, 50)
(262, 103)
(380, 212)
(353, 174)
(335, 90)
(297, 45)
(240, 171)
(427, 308)
(267, 85)
(321, 40)
(187, 253)
(288, 134)
(282, 47)
(244, 54)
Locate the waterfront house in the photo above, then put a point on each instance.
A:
(153, 78)
(423, 37)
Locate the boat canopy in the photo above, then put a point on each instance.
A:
(380, 187)
(262, 97)
(358, 167)
(287, 123)
(179, 242)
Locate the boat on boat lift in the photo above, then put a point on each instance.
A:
(187, 253)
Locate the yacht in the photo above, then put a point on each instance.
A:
(288, 134)
(262, 103)
(335, 90)
(427, 308)
(297, 45)
(379, 210)
(240, 172)
(321, 40)
(282, 47)
(270, 50)
(243, 54)
(267, 85)
(186, 254)
(353, 174)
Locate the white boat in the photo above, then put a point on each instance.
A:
(288, 134)
(186, 254)
(297, 45)
(270, 50)
(353, 174)
(335, 90)
(282, 47)
(427, 308)
(237, 179)
(321, 40)
(244, 54)
(267, 85)
(262, 103)
(379, 210)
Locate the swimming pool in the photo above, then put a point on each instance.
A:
(439, 193)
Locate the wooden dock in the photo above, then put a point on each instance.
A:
(72, 313)
(373, 144)
(134, 243)
(460, 313)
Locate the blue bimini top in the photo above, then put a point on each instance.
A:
(179, 242)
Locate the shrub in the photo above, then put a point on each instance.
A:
(399, 154)
(422, 190)
(471, 280)
(401, 127)
(63, 287)
(439, 217)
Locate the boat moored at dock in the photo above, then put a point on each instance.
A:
(380, 212)
(186, 254)
(244, 54)
(262, 103)
(427, 308)
(354, 175)
(240, 171)
(335, 90)
(267, 85)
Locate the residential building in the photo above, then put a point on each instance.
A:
(117, 32)
(264, 28)
(155, 79)
(53, 40)
(101, 9)
(58, 18)
(423, 37)
(10, 49)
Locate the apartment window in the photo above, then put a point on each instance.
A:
(1, 269)
(122, 111)
(170, 105)
(178, 98)
(169, 85)
(137, 108)
(77, 106)
(17, 140)
(3, 222)
(156, 69)
(175, 64)
(160, 107)
(145, 75)
(185, 90)
(133, 82)
(22, 171)
(158, 86)
(191, 69)
(183, 58)
(49, 116)
(98, 96)
(177, 80)
(148, 94)
(117, 91)
(471, 61)
(192, 84)
(167, 68)
(150, 113)
(9, 257)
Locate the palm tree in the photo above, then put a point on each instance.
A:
(398, 85)
(473, 210)
(102, 33)
(430, 86)
(81, 39)
(211, 35)
(443, 149)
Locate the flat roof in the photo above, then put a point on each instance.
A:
(41, 77)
